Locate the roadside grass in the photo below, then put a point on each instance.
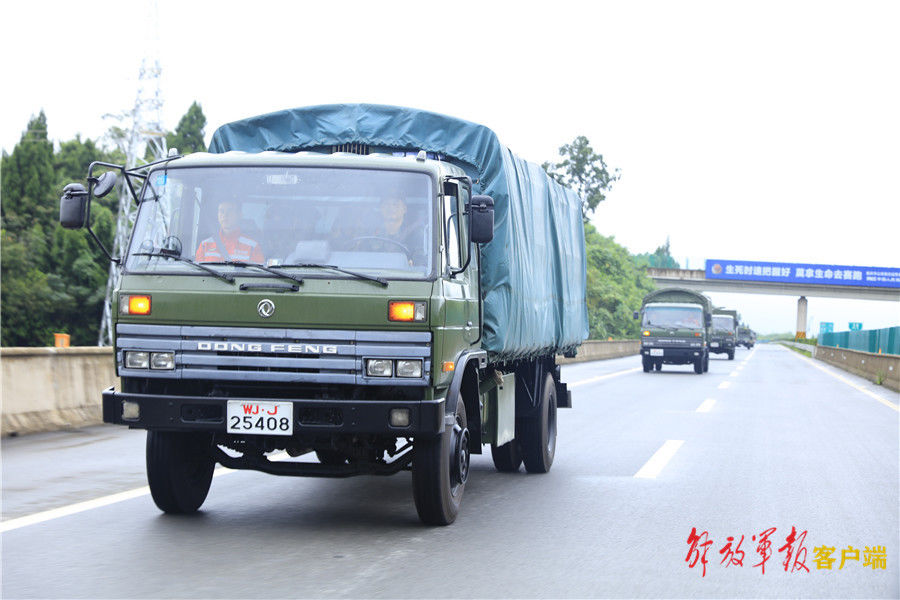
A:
(805, 353)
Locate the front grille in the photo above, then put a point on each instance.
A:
(353, 148)
(242, 354)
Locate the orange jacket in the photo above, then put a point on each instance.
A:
(237, 246)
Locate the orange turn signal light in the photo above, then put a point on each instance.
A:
(134, 305)
(406, 310)
(645, 332)
(697, 334)
(448, 366)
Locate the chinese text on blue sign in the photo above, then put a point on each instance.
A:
(746, 270)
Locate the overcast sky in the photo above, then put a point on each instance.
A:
(743, 130)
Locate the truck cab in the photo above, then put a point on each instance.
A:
(674, 330)
(724, 332)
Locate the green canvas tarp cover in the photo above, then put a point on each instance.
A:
(532, 273)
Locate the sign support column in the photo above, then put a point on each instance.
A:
(801, 318)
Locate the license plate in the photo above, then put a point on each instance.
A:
(261, 418)
(656, 351)
(714, 344)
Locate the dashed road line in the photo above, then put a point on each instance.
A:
(707, 405)
(602, 377)
(724, 385)
(659, 460)
(734, 373)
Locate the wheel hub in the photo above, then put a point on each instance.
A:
(459, 466)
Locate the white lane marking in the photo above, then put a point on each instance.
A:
(601, 377)
(812, 362)
(659, 460)
(71, 509)
(734, 373)
(706, 405)
(724, 385)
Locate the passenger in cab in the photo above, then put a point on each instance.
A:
(228, 243)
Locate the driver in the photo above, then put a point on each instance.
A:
(229, 239)
(396, 228)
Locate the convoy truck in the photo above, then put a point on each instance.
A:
(724, 332)
(675, 329)
(746, 337)
(383, 288)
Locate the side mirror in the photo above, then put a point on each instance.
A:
(72, 206)
(104, 184)
(708, 320)
(637, 315)
(481, 219)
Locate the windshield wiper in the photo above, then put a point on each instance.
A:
(240, 263)
(339, 269)
(163, 253)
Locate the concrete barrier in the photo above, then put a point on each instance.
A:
(883, 368)
(47, 389)
(599, 350)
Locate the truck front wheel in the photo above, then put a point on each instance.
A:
(539, 432)
(646, 363)
(440, 468)
(179, 469)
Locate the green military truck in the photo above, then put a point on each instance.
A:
(675, 329)
(724, 332)
(383, 288)
(746, 337)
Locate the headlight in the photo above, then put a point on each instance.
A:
(162, 360)
(379, 367)
(409, 368)
(137, 360)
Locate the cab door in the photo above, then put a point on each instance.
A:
(460, 287)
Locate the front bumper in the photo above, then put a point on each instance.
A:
(721, 346)
(672, 354)
(203, 413)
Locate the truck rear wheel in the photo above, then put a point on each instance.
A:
(179, 469)
(539, 432)
(440, 468)
(331, 457)
(658, 365)
(508, 457)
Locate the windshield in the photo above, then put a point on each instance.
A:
(364, 220)
(723, 322)
(676, 317)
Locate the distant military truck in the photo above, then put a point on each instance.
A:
(675, 329)
(746, 337)
(724, 332)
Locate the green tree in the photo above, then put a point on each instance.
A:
(27, 194)
(53, 279)
(661, 258)
(188, 135)
(584, 171)
(615, 287)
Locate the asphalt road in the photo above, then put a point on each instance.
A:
(780, 441)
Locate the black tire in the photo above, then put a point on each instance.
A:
(706, 363)
(508, 457)
(439, 472)
(698, 366)
(179, 469)
(731, 355)
(331, 457)
(658, 365)
(539, 432)
(646, 363)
